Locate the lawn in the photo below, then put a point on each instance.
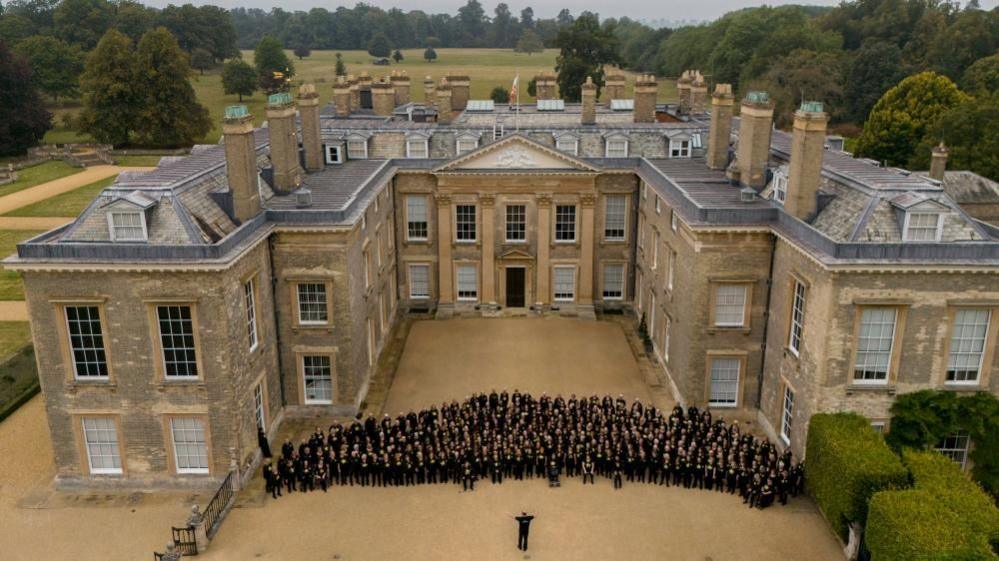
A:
(36, 175)
(70, 203)
(10, 282)
(487, 68)
(13, 336)
(137, 161)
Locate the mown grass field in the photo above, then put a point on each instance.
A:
(11, 287)
(487, 69)
(70, 203)
(13, 336)
(36, 175)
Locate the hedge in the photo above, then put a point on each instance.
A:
(847, 463)
(912, 525)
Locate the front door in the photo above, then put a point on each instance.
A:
(515, 287)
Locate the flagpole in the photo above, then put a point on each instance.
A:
(516, 115)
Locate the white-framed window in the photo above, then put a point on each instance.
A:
(468, 283)
(672, 270)
(615, 208)
(616, 148)
(565, 223)
(417, 218)
(641, 231)
(127, 226)
(922, 227)
(258, 406)
(567, 144)
(417, 148)
(86, 342)
(176, 327)
(967, 346)
(383, 313)
(780, 188)
(659, 207)
(317, 379)
(679, 148)
(334, 154)
(725, 382)
(645, 190)
(190, 448)
(564, 283)
(666, 333)
(797, 318)
(787, 415)
(465, 145)
(100, 436)
(730, 305)
(357, 149)
(312, 303)
(369, 272)
(673, 220)
(874, 345)
(516, 223)
(419, 282)
(249, 300)
(655, 250)
(652, 313)
(956, 447)
(879, 426)
(464, 223)
(613, 281)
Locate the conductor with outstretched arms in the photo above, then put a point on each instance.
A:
(524, 528)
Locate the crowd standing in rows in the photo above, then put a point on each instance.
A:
(499, 436)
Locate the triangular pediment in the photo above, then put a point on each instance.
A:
(516, 153)
(515, 254)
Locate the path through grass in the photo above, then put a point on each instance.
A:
(70, 203)
(36, 175)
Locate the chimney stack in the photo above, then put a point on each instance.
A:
(355, 92)
(938, 162)
(284, 141)
(756, 123)
(683, 91)
(429, 92)
(341, 96)
(400, 81)
(589, 96)
(544, 86)
(241, 162)
(698, 93)
(383, 98)
(613, 87)
(646, 89)
(721, 126)
(444, 102)
(460, 91)
(308, 109)
(808, 146)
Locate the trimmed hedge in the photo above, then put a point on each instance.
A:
(912, 525)
(847, 463)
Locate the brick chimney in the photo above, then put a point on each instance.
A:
(308, 109)
(444, 104)
(646, 89)
(613, 87)
(241, 162)
(808, 146)
(753, 152)
(544, 86)
(698, 93)
(341, 96)
(721, 126)
(355, 92)
(589, 93)
(400, 81)
(938, 162)
(284, 141)
(461, 86)
(429, 92)
(683, 91)
(383, 97)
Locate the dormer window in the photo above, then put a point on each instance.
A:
(679, 148)
(780, 188)
(567, 144)
(922, 227)
(616, 148)
(334, 154)
(465, 145)
(127, 226)
(417, 147)
(357, 148)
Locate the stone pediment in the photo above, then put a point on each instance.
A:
(516, 153)
(515, 254)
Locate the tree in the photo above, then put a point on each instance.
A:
(397, 56)
(201, 60)
(532, 87)
(804, 76)
(900, 119)
(876, 67)
(379, 46)
(108, 84)
(269, 59)
(55, 64)
(341, 68)
(970, 133)
(527, 17)
(499, 95)
(982, 77)
(23, 118)
(529, 42)
(430, 54)
(170, 114)
(302, 51)
(82, 22)
(238, 78)
(584, 48)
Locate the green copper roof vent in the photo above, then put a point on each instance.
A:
(236, 111)
(811, 106)
(761, 98)
(280, 98)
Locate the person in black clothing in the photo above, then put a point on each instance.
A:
(523, 529)
(265, 446)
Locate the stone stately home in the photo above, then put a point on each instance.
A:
(774, 273)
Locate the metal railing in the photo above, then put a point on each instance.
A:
(216, 509)
(185, 541)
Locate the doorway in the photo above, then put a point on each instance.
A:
(515, 289)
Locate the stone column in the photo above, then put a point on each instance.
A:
(753, 151)
(543, 296)
(308, 110)
(445, 270)
(241, 162)
(487, 202)
(587, 202)
(804, 173)
(341, 96)
(589, 98)
(284, 142)
(197, 521)
(721, 126)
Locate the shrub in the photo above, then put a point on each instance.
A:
(847, 463)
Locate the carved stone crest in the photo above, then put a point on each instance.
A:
(515, 158)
